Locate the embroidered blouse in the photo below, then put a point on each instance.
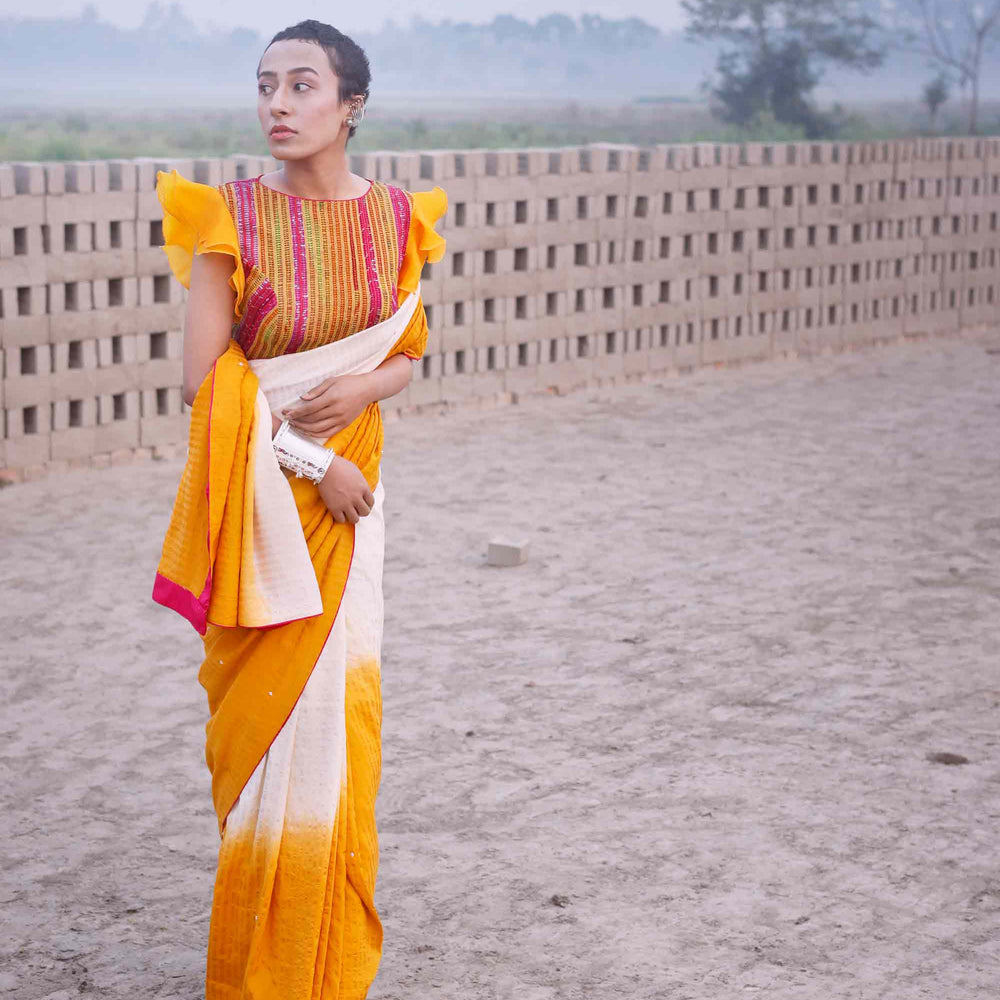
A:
(306, 271)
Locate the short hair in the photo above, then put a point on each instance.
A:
(347, 59)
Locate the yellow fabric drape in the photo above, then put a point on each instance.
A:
(253, 676)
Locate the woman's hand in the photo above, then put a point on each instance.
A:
(330, 406)
(345, 491)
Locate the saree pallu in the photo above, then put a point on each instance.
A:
(289, 603)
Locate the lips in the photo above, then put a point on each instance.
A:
(282, 130)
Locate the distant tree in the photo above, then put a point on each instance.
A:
(955, 35)
(935, 94)
(776, 51)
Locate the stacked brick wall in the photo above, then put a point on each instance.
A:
(565, 267)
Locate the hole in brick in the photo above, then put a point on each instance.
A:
(637, 295)
(158, 344)
(608, 298)
(489, 310)
(76, 413)
(551, 303)
(520, 211)
(521, 307)
(609, 342)
(20, 240)
(162, 402)
(610, 205)
(29, 419)
(117, 352)
(425, 367)
(641, 206)
(24, 301)
(69, 237)
(582, 346)
(579, 253)
(715, 329)
(161, 287)
(553, 350)
(491, 213)
(520, 258)
(714, 199)
(29, 361)
(668, 202)
(460, 362)
(116, 291)
(155, 233)
(489, 262)
(738, 326)
(690, 333)
(664, 291)
(522, 354)
(664, 334)
(789, 193)
(580, 303)
(491, 358)
(457, 264)
(429, 314)
(581, 206)
(75, 354)
(460, 213)
(458, 314)
(459, 164)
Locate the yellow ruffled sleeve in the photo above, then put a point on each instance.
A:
(422, 243)
(197, 220)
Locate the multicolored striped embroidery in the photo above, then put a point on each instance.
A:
(316, 271)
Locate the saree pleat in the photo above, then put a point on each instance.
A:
(294, 912)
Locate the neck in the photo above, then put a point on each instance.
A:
(320, 177)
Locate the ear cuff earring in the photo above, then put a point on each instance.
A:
(356, 116)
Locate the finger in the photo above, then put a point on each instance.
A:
(317, 389)
(369, 498)
(362, 508)
(316, 427)
(352, 516)
(338, 516)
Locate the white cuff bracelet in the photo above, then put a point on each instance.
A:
(300, 454)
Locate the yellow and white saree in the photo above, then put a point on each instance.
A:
(289, 603)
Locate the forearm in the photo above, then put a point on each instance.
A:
(392, 376)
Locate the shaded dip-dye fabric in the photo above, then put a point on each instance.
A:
(293, 740)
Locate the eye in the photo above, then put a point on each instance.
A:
(301, 84)
(262, 88)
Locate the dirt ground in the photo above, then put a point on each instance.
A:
(683, 752)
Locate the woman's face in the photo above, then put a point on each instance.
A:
(297, 100)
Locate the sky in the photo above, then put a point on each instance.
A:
(266, 17)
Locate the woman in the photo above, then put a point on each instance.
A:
(304, 311)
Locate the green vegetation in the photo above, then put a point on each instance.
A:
(85, 135)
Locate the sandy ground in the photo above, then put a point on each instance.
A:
(682, 752)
